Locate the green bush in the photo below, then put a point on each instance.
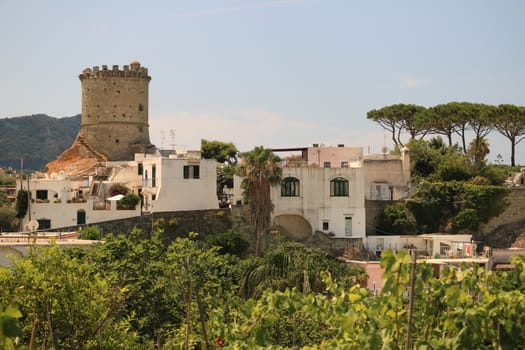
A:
(130, 200)
(397, 219)
(230, 242)
(91, 233)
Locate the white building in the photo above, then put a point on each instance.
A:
(64, 203)
(432, 244)
(387, 177)
(165, 184)
(324, 189)
(329, 200)
(176, 184)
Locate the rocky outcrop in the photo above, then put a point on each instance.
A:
(78, 160)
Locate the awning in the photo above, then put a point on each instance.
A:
(116, 197)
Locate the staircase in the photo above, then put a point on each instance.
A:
(98, 155)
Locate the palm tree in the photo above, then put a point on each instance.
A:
(260, 169)
(293, 265)
(477, 152)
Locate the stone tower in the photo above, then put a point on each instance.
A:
(115, 111)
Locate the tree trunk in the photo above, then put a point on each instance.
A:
(159, 342)
(394, 137)
(463, 140)
(408, 344)
(51, 332)
(202, 319)
(188, 306)
(258, 238)
(33, 334)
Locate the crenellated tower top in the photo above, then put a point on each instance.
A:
(133, 70)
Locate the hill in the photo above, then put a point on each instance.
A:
(37, 138)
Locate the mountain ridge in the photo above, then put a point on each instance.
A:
(37, 138)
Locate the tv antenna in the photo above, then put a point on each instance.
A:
(172, 139)
(162, 139)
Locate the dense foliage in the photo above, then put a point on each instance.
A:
(229, 242)
(135, 292)
(452, 191)
(222, 152)
(38, 139)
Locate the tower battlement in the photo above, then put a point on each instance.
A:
(133, 70)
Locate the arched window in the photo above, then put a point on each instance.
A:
(339, 187)
(290, 187)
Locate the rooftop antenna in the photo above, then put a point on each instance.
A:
(162, 139)
(172, 139)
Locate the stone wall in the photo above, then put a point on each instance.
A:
(174, 224)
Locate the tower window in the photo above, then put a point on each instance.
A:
(141, 108)
(117, 141)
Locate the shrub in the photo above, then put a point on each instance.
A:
(91, 232)
(118, 188)
(230, 242)
(129, 201)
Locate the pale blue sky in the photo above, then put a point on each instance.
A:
(272, 72)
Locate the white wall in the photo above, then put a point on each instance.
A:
(174, 193)
(65, 214)
(315, 203)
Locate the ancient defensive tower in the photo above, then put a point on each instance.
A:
(115, 111)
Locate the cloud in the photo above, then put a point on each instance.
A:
(236, 8)
(410, 82)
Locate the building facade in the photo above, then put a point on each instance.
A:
(64, 203)
(328, 200)
(174, 183)
(327, 189)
